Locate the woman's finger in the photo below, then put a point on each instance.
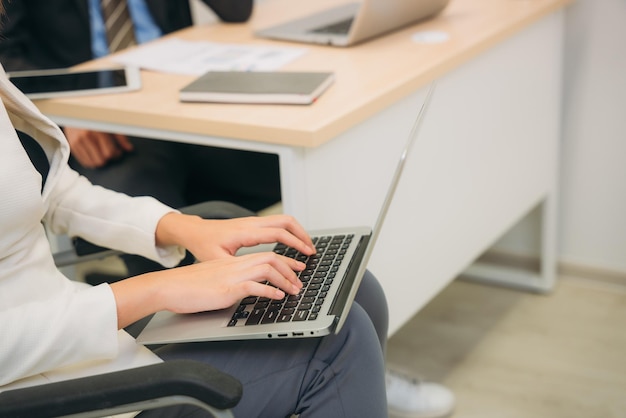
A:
(277, 269)
(290, 224)
(271, 234)
(252, 288)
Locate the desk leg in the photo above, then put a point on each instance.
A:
(539, 278)
(292, 183)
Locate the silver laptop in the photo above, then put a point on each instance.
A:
(330, 283)
(351, 23)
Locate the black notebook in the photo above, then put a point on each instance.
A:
(273, 87)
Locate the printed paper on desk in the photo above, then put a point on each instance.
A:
(197, 57)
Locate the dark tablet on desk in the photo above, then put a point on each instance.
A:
(45, 84)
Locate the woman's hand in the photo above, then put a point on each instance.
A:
(221, 278)
(206, 286)
(212, 239)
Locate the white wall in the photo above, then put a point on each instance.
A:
(592, 214)
(593, 197)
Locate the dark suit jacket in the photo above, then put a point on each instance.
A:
(38, 34)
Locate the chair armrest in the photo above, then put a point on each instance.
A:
(71, 257)
(148, 387)
(217, 209)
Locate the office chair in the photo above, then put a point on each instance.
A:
(143, 388)
(149, 387)
(164, 384)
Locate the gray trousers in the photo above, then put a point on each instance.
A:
(338, 375)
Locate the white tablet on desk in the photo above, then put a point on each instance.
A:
(46, 84)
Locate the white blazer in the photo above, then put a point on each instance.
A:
(48, 322)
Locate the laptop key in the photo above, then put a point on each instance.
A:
(287, 311)
(255, 317)
(241, 315)
(261, 305)
(269, 317)
(301, 315)
(283, 318)
(249, 300)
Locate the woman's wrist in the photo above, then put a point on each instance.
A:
(139, 296)
(173, 227)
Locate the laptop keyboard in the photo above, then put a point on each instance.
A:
(338, 28)
(317, 277)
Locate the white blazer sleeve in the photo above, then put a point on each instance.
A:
(107, 218)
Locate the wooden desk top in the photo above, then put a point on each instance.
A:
(370, 76)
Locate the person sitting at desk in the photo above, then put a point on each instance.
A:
(48, 321)
(341, 375)
(42, 34)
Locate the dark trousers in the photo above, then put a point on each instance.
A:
(338, 375)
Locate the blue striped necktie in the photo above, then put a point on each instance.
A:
(118, 24)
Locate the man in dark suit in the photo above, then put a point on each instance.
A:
(39, 34)
(52, 34)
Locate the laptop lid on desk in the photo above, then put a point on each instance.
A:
(330, 281)
(351, 23)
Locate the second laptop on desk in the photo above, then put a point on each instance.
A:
(354, 22)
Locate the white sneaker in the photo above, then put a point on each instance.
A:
(409, 397)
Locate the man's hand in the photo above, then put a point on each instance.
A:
(94, 149)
